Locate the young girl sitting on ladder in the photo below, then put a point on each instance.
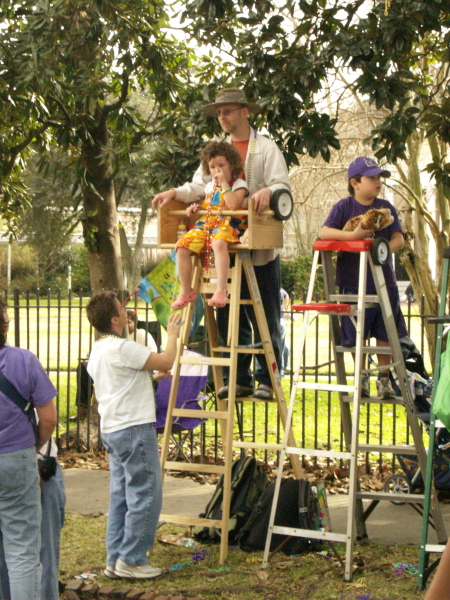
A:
(226, 191)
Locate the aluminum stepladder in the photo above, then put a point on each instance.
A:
(225, 412)
(430, 494)
(372, 255)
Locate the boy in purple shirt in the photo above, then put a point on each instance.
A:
(364, 176)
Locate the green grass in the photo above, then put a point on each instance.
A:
(306, 577)
(60, 336)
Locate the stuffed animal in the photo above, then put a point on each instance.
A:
(373, 220)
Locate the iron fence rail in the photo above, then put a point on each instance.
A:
(57, 331)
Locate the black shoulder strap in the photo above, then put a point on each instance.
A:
(10, 391)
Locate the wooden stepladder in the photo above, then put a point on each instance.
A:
(225, 409)
(372, 255)
(430, 494)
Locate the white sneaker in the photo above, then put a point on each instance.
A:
(384, 388)
(143, 572)
(110, 572)
(365, 385)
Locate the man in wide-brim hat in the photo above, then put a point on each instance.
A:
(230, 96)
(265, 171)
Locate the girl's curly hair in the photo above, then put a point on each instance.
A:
(225, 149)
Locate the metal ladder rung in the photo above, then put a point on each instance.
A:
(353, 298)
(314, 452)
(387, 449)
(324, 387)
(392, 497)
(375, 400)
(434, 548)
(310, 533)
(366, 350)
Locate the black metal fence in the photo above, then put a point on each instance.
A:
(57, 331)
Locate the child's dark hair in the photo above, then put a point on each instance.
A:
(351, 189)
(101, 309)
(214, 149)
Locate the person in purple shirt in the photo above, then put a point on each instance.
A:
(364, 176)
(20, 495)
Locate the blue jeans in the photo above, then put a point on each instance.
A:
(269, 282)
(53, 500)
(135, 493)
(20, 523)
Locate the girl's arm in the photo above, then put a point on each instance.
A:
(191, 209)
(235, 199)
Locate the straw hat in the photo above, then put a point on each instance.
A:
(230, 96)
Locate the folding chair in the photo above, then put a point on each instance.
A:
(193, 379)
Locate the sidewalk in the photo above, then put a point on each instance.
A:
(88, 493)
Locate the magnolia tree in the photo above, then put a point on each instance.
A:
(68, 69)
(67, 73)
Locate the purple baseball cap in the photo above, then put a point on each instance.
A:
(364, 165)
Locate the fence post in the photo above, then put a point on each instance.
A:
(16, 307)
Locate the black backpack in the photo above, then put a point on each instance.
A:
(248, 481)
(297, 507)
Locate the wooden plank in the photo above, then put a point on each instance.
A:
(193, 467)
(178, 520)
(199, 414)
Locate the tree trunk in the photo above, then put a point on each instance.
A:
(101, 222)
(132, 260)
(414, 254)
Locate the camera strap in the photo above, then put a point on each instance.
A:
(10, 391)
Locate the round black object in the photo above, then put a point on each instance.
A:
(397, 484)
(282, 204)
(380, 251)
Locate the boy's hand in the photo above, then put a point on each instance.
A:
(174, 324)
(192, 209)
(165, 197)
(361, 234)
(158, 375)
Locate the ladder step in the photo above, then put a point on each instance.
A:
(242, 349)
(205, 360)
(375, 400)
(310, 533)
(434, 547)
(190, 520)
(324, 387)
(353, 298)
(257, 445)
(193, 467)
(200, 414)
(366, 349)
(394, 497)
(327, 308)
(315, 452)
(387, 449)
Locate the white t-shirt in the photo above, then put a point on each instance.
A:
(124, 392)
